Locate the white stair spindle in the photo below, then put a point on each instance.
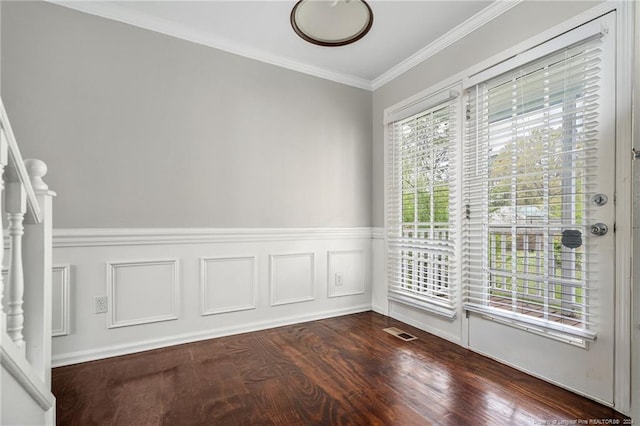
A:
(3, 162)
(16, 206)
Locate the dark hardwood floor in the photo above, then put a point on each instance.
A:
(343, 370)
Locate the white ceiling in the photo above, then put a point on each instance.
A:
(403, 32)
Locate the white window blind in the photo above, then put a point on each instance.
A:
(530, 153)
(421, 209)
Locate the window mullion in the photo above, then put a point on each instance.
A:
(517, 90)
(415, 256)
(546, 257)
(430, 257)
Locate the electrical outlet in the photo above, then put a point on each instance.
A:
(100, 303)
(339, 279)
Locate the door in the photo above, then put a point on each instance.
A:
(539, 191)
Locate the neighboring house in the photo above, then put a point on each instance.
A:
(201, 193)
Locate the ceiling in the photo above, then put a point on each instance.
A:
(403, 34)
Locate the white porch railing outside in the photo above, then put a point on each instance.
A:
(531, 273)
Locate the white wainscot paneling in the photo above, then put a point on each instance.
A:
(225, 281)
(142, 292)
(227, 284)
(345, 272)
(60, 292)
(60, 298)
(292, 278)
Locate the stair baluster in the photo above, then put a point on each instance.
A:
(4, 159)
(16, 206)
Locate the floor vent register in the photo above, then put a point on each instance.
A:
(400, 334)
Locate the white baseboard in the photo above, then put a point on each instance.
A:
(382, 310)
(61, 360)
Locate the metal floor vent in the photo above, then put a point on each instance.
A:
(400, 334)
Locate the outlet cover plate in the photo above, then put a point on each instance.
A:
(100, 303)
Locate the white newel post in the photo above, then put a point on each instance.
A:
(38, 243)
(16, 207)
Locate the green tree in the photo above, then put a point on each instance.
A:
(426, 171)
(542, 170)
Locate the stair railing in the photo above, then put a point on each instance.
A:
(25, 296)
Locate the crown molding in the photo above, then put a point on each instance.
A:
(115, 12)
(481, 18)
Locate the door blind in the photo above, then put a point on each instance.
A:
(421, 209)
(529, 163)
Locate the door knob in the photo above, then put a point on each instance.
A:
(599, 229)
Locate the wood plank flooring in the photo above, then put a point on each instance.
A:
(338, 371)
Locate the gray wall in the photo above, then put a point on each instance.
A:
(516, 25)
(140, 129)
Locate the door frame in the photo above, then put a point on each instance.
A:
(624, 203)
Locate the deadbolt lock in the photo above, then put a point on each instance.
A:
(599, 229)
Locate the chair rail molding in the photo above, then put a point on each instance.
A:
(92, 237)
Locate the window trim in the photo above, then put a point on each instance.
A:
(423, 101)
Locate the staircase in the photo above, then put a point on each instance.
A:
(25, 291)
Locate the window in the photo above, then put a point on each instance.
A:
(420, 206)
(530, 156)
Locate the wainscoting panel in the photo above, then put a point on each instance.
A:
(173, 286)
(345, 272)
(292, 278)
(142, 292)
(228, 284)
(60, 297)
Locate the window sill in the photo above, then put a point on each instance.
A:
(431, 307)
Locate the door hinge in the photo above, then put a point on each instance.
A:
(636, 153)
(614, 227)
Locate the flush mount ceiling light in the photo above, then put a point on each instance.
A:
(331, 22)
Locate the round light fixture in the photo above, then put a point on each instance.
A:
(331, 22)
